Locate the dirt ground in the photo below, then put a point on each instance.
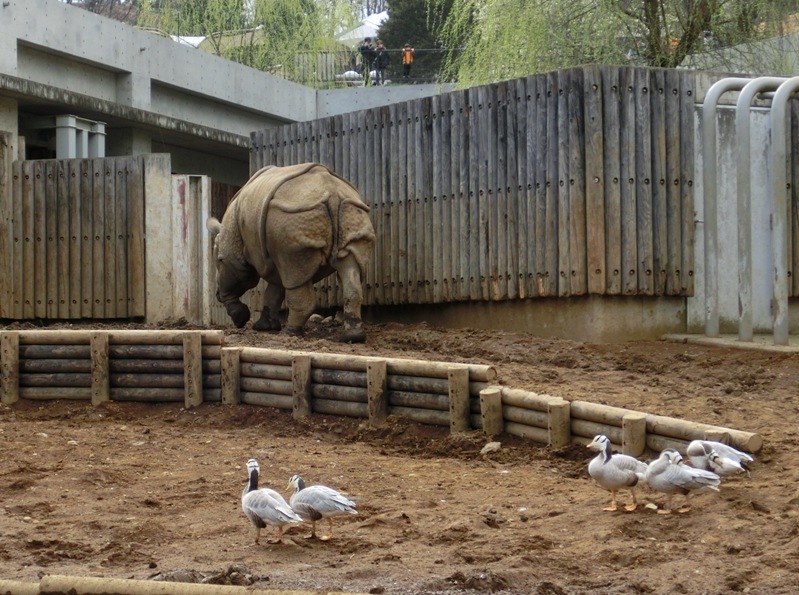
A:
(153, 491)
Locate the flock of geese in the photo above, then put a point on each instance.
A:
(265, 506)
(668, 474)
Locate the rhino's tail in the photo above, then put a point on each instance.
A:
(214, 226)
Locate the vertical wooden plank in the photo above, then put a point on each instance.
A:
(6, 223)
(563, 187)
(419, 247)
(39, 270)
(414, 231)
(9, 367)
(64, 243)
(109, 231)
(578, 278)
(517, 189)
(377, 392)
(395, 202)
(403, 206)
(101, 378)
(120, 237)
(793, 204)
(26, 281)
(367, 170)
(51, 242)
(633, 434)
(231, 375)
(559, 423)
(446, 198)
(660, 255)
(687, 116)
(497, 158)
(436, 246)
(475, 196)
(463, 132)
(611, 125)
(453, 139)
(86, 240)
(535, 190)
(484, 197)
(75, 264)
(135, 237)
(301, 386)
(491, 411)
(629, 210)
(549, 241)
(643, 182)
(98, 237)
(193, 369)
(383, 171)
(459, 410)
(593, 92)
(17, 240)
(424, 184)
(338, 148)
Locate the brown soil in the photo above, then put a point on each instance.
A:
(153, 491)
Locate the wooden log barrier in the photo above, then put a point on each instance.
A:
(46, 393)
(633, 434)
(528, 417)
(589, 429)
(459, 410)
(377, 392)
(116, 337)
(559, 415)
(527, 400)
(301, 386)
(524, 431)
(345, 408)
(231, 375)
(491, 419)
(148, 395)
(340, 377)
(263, 370)
(100, 368)
(397, 398)
(336, 392)
(54, 584)
(66, 379)
(422, 416)
(9, 367)
(268, 400)
(267, 385)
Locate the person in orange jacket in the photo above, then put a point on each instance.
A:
(407, 60)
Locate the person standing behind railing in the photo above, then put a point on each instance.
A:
(367, 58)
(382, 59)
(407, 60)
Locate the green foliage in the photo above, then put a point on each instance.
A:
(284, 37)
(501, 39)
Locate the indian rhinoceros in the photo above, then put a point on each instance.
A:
(293, 226)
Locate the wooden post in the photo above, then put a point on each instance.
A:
(9, 366)
(633, 434)
(301, 381)
(559, 423)
(231, 375)
(377, 391)
(459, 415)
(491, 411)
(193, 374)
(101, 380)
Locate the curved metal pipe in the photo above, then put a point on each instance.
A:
(710, 198)
(744, 191)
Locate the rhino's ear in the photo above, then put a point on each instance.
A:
(214, 226)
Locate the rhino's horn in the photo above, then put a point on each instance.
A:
(214, 226)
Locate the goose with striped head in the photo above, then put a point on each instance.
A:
(667, 474)
(614, 471)
(720, 458)
(317, 502)
(265, 506)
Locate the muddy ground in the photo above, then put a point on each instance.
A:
(153, 491)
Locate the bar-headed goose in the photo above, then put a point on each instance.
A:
(613, 471)
(668, 475)
(265, 506)
(317, 502)
(720, 458)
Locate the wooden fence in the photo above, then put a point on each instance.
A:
(72, 236)
(194, 366)
(568, 183)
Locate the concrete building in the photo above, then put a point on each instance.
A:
(110, 87)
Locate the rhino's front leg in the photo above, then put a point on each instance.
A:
(350, 275)
(238, 311)
(273, 298)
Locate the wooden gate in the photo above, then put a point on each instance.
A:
(72, 233)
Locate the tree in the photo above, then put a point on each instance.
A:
(502, 39)
(284, 37)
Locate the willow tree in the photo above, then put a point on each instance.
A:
(285, 37)
(501, 39)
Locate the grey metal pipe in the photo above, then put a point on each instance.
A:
(744, 192)
(710, 197)
(779, 207)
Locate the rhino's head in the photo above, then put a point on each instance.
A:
(231, 276)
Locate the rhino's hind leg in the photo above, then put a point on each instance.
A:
(273, 298)
(350, 275)
(301, 302)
